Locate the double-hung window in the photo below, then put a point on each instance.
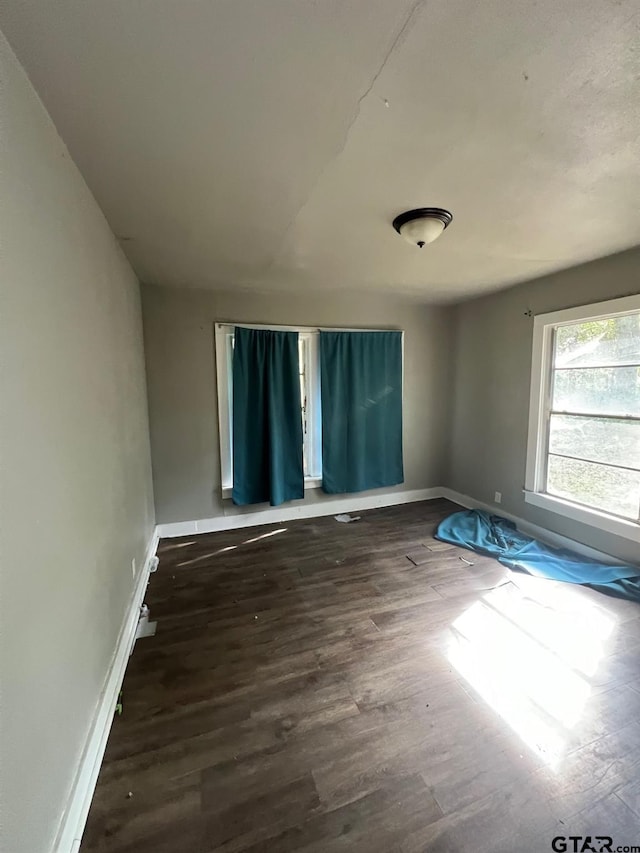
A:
(583, 457)
(309, 371)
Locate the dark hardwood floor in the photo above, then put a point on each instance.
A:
(318, 686)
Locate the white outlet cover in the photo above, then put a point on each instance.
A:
(497, 497)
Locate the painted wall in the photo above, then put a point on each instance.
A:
(491, 388)
(75, 489)
(179, 346)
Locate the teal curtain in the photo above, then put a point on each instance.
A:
(267, 419)
(361, 386)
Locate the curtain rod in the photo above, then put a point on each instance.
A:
(275, 328)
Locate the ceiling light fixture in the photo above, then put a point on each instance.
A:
(423, 225)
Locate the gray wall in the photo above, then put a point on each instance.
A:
(491, 387)
(75, 490)
(179, 346)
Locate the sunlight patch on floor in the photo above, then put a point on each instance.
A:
(207, 556)
(529, 650)
(232, 547)
(164, 547)
(265, 535)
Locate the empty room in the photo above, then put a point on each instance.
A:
(319, 426)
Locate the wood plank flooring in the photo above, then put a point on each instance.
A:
(318, 686)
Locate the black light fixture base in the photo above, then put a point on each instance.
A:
(423, 213)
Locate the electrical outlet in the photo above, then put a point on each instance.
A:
(133, 567)
(498, 497)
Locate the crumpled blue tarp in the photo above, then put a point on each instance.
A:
(499, 537)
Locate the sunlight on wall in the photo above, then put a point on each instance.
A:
(528, 650)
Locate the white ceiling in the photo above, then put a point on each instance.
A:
(268, 144)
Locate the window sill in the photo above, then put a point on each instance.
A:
(627, 529)
(309, 483)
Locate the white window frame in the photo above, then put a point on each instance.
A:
(544, 326)
(312, 424)
(312, 409)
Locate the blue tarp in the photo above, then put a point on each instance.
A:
(500, 538)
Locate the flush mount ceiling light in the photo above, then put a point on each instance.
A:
(423, 225)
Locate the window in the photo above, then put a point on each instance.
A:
(584, 431)
(309, 369)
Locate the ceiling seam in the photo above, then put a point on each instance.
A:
(398, 39)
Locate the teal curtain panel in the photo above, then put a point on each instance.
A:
(267, 419)
(361, 387)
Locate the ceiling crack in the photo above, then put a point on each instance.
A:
(406, 25)
(398, 39)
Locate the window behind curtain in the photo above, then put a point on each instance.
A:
(361, 386)
(309, 372)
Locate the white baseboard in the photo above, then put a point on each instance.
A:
(77, 810)
(534, 530)
(275, 515)
(354, 503)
